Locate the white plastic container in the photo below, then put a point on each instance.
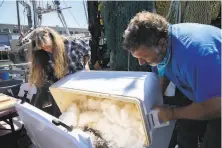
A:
(44, 134)
(138, 88)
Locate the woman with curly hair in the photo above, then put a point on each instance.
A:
(53, 56)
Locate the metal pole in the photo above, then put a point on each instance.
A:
(61, 17)
(65, 25)
(85, 10)
(29, 12)
(18, 17)
(34, 13)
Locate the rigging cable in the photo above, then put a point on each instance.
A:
(72, 14)
(2, 3)
(24, 16)
(84, 5)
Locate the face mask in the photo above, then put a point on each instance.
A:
(161, 69)
(162, 65)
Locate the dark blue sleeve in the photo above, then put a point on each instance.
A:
(204, 73)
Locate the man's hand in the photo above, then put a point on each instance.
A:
(165, 113)
(209, 109)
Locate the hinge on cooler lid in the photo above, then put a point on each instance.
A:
(57, 123)
(24, 98)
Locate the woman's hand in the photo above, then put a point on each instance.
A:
(87, 67)
(86, 63)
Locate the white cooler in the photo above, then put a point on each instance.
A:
(141, 89)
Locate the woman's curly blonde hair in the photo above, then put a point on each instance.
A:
(39, 58)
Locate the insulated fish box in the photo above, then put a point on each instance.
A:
(118, 104)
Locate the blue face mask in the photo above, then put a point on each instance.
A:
(162, 66)
(161, 70)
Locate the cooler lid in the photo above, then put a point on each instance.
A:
(143, 86)
(45, 134)
(119, 83)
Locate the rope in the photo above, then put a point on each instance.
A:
(179, 13)
(185, 11)
(176, 11)
(170, 10)
(175, 6)
(154, 7)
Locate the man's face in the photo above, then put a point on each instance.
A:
(152, 56)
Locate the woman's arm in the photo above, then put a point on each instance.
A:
(86, 62)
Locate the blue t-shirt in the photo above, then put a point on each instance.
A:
(195, 62)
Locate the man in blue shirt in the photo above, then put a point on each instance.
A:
(189, 55)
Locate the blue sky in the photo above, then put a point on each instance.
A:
(8, 13)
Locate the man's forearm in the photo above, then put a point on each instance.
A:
(209, 109)
(164, 82)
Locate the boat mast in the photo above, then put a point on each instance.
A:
(18, 17)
